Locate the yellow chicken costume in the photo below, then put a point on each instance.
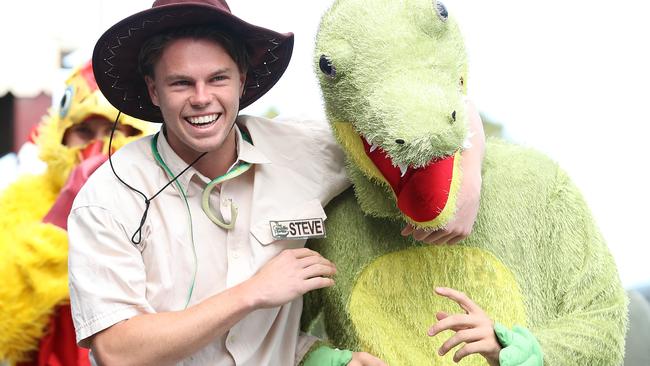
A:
(34, 260)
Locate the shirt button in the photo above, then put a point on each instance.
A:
(235, 255)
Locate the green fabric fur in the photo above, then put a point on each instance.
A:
(534, 247)
(535, 223)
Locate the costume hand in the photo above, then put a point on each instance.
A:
(58, 214)
(290, 274)
(474, 328)
(365, 359)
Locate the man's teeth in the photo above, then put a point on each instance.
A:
(403, 168)
(373, 147)
(203, 119)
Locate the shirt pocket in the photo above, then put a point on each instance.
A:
(261, 230)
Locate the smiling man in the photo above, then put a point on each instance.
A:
(173, 256)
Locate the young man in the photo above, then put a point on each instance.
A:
(196, 273)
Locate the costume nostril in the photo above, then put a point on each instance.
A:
(399, 141)
(453, 116)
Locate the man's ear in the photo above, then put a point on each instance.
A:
(242, 84)
(151, 88)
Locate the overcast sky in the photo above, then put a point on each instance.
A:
(569, 78)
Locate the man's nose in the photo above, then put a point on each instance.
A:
(101, 133)
(200, 97)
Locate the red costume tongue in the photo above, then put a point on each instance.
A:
(422, 193)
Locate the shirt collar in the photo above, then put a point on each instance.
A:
(245, 152)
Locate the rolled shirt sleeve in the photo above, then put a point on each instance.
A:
(106, 273)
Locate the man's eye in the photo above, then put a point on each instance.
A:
(83, 131)
(220, 78)
(180, 83)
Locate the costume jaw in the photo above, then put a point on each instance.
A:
(425, 195)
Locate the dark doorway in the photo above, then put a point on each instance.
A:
(6, 124)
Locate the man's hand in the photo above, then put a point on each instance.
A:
(365, 359)
(474, 328)
(288, 275)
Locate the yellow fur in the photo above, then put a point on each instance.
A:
(34, 260)
(33, 266)
(395, 293)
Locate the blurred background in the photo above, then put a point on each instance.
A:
(570, 79)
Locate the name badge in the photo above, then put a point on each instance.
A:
(298, 229)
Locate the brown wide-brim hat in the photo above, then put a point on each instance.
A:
(115, 58)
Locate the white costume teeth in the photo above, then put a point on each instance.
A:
(403, 168)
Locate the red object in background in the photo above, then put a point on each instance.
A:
(59, 347)
(28, 112)
(87, 73)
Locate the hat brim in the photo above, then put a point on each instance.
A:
(115, 57)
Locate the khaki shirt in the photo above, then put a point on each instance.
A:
(297, 168)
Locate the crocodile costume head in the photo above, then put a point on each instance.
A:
(81, 101)
(409, 120)
(393, 76)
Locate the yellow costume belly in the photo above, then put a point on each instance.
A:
(391, 320)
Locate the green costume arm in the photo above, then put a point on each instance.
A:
(311, 319)
(520, 348)
(590, 304)
(322, 355)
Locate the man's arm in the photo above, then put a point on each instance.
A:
(167, 338)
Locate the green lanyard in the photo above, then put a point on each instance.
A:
(236, 171)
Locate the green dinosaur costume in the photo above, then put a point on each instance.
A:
(393, 75)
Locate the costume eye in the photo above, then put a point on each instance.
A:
(327, 67)
(442, 10)
(66, 100)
